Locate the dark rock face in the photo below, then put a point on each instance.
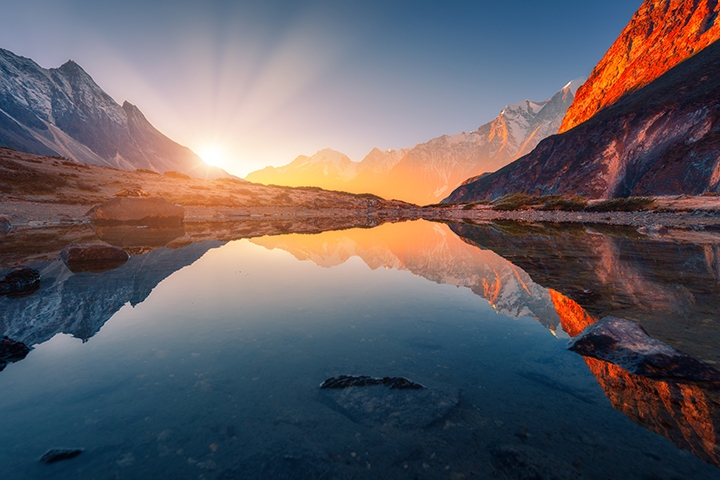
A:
(628, 345)
(58, 454)
(660, 140)
(137, 211)
(11, 351)
(346, 381)
(62, 111)
(21, 281)
(93, 258)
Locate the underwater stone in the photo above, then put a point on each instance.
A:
(58, 454)
(21, 281)
(346, 381)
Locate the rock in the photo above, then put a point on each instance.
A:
(629, 346)
(137, 211)
(21, 281)
(58, 454)
(11, 351)
(346, 381)
(135, 192)
(388, 402)
(93, 258)
(5, 225)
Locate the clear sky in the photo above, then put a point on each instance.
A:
(267, 80)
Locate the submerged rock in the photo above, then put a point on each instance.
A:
(58, 454)
(93, 258)
(345, 381)
(137, 211)
(629, 346)
(525, 462)
(21, 281)
(394, 402)
(5, 225)
(11, 351)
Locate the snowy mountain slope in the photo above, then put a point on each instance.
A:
(429, 171)
(62, 111)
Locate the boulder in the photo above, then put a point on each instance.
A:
(11, 351)
(629, 346)
(21, 281)
(58, 454)
(137, 211)
(93, 258)
(387, 402)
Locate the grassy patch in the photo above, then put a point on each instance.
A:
(145, 170)
(630, 204)
(572, 204)
(174, 174)
(517, 201)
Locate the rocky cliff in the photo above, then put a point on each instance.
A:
(661, 34)
(63, 112)
(662, 139)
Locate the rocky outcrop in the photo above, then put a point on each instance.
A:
(661, 34)
(137, 211)
(93, 258)
(629, 346)
(63, 112)
(660, 140)
(21, 281)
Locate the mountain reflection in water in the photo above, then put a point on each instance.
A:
(566, 279)
(633, 276)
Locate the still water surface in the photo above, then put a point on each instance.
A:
(206, 361)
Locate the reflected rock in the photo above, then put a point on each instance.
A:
(11, 351)
(687, 415)
(20, 282)
(93, 258)
(347, 381)
(134, 236)
(629, 346)
(137, 211)
(374, 404)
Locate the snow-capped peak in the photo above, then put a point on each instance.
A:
(573, 85)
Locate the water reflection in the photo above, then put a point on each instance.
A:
(564, 278)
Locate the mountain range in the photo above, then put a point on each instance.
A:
(647, 121)
(63, 112)
(425, 173)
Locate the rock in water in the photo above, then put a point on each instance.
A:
(345, 381)
(11, 351)
(19, 282)
(629, 346)
(137, 211)
(93, 258)
(58, 454)
(393, 402)
(5, 225)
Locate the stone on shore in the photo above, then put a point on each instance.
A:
(93, 258)
(629, 346)
(58, 454)
(19, 282)
(137, 211)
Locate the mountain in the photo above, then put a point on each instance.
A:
(425, 173)
(326, 169)
(660, 139)
(63, 112)
(661, 34)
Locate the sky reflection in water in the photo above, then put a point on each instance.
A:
(216, 373)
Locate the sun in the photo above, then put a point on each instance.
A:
(212, 155)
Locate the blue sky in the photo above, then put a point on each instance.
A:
(266, 81)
